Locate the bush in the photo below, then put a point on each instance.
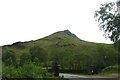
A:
(26, 71)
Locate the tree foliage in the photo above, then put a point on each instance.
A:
(8, 57)
(108, 18)
(38, 54)
(24, 58)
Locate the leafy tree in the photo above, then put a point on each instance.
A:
(24, 58)
(117, 45)
(109, 20)
(106, 56)
(76, 61)
(38, 54)
(8, 57)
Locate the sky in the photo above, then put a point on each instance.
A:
(25, 20)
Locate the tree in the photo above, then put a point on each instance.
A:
(24, 58)
(76, 61)
(108, 18)
(8, 57)
(38, 54)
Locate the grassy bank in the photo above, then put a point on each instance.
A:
(110, 71)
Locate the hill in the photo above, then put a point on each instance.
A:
(69, 51)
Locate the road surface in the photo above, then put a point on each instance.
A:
(82, 77)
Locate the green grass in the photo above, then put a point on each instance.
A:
(110, 71)
(60, 42)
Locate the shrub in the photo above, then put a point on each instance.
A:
(26, 71)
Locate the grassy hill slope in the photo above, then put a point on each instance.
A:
(69, 51)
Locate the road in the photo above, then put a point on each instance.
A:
(82, 77)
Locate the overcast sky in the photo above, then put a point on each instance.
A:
(25, 20)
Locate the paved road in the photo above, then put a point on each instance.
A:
(81, 77)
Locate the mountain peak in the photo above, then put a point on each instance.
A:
(70, 34)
